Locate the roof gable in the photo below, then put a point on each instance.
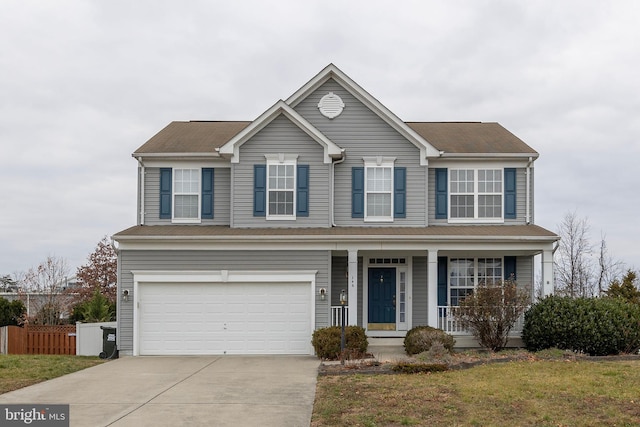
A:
(232, 147)
(333, 72)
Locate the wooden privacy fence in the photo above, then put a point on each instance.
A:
(40, 339)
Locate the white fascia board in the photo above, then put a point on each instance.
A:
(232, 147)
(485, 156)
(184, 156)
(331, 71)
(533, 244)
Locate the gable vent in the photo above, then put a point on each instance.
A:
(331, 105)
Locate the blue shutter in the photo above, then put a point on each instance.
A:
(302, 196)
(400, 192)
(442, 280)
(259, 190)
(509, 193)
(510, 268)
(165, 193)
(441, 193)
(207, 193)
(357, 192)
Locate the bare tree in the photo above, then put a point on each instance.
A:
(609, 270)
(573, 265)
(44, 291)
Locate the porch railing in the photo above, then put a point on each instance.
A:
(448, 322)
(336, 315)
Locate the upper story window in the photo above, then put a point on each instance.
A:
(281, 181)
(378, 191)
(475, 194)
(186, 194)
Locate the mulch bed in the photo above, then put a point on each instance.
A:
(460, 361)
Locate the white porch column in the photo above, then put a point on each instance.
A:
(432, 288)
(547, 272)
(353, 287)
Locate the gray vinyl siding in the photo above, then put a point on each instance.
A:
(216, 260)
(221, 197)
(521, 197)
(524, 271)
(281, 136)
(362, 133)
(419, 291)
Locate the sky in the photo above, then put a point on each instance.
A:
(85, 83)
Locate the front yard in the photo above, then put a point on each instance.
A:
(557, 392)
(17, 371)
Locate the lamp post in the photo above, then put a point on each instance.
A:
(343, 301)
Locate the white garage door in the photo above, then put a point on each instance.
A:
(224, 318)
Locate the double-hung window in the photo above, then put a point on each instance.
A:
(466, 273)
(281, 189)
(476, 194)
(378, 190)
(186, 195)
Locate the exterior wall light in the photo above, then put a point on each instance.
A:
(323, 294)
(125, 295)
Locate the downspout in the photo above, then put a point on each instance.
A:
(333, 187)
(528, 191)
(142, 173)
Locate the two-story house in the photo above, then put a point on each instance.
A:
(248, 232)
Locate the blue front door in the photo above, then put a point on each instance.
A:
(382, 298)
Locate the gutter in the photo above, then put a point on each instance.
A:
(528, 192)
(142, 174)
(333, 187)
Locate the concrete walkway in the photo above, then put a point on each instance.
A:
(184, 391)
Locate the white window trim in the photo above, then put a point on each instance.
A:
(282, 159)
(476, 276)
(175, 220)
(378, 162)
(476, 219)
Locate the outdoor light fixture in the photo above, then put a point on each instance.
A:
(323, 294)
(343, 297)
(125, 295)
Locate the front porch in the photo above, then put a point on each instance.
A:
(447, 321)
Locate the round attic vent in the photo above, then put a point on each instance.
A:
(331, 105)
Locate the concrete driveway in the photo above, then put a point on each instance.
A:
(184, 391)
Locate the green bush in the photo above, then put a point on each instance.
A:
(595, 326)
(421, 338)
(326, 342)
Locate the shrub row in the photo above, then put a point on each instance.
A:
(326, 342)
(595, 326)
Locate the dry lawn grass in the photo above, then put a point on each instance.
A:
(17, 371)
(521, 393)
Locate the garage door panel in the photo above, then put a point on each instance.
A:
(224, 318)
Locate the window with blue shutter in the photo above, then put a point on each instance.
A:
(442, 280)
(400, 192)
(510, 193)
(207, 193)
(165, 193)
(302, 196)
(510, 268)
(259, 190)
(357, 192)
(441, 193)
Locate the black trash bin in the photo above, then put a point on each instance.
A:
(109, 348)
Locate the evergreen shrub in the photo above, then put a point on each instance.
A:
(595, 326)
